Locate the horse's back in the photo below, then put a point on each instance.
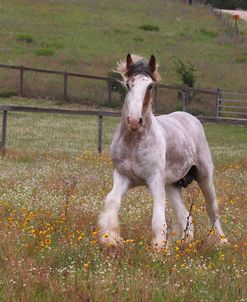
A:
(181, 124)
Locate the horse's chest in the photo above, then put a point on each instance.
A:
(138, 164)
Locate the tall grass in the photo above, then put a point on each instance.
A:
(52, 186)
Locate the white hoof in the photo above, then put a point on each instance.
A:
(111, 239)
(223, 241)
(159, 244)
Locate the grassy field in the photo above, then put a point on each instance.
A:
(91, 37)
(51, 192)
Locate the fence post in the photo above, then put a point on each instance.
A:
(218, 103)
(65, 85)
(109, 90)
(100, 130)
(186, 97)
(4, 132)
(21, 80)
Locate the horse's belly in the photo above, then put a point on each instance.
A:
(174, 172)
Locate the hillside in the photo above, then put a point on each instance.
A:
(90, 36)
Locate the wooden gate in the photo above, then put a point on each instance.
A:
(231, 104)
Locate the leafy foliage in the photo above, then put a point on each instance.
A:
(44, 52)
(186, 72)
(7, 92)
(229, 4)
(24, 38)
(116, 85)
(149, 27)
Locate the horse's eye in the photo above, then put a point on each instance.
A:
(150, 87)
(128, 86)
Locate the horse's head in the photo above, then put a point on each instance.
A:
(139, 77)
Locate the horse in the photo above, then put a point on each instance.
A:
(165, 153)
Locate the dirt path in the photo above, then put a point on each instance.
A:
(241, 13)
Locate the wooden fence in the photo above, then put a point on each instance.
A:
(229, 21)
(10, 108)
(5, 109)
(231, 104)
(185, 90)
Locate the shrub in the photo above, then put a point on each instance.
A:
(7, 92)
(241, 60)
(149, 27)
(53, 44)
(121, 31)
(186, 72)
(207, 33)
(24, 38)
(44, 52)
(138, 39)
(116, 85)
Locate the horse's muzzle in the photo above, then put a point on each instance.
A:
(134, 124)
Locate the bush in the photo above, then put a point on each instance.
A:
(149, 27)
(241, 60)
(116, 86)
(7, 92)
(44, 52)
(207, 33)
(24, 38)
(186, 72)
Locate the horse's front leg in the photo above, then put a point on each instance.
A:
(159, 227)
(108, 220)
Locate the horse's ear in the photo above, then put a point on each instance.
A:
(152, 63)
(129, 61)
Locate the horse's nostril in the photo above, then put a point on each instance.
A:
(140, 121)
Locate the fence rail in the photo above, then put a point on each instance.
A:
(11, 108)
(227, 20)
(6, 109)
(228, 105)
(186, 91)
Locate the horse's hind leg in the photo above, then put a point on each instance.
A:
(184, 227)
(108, 221)
(206, 183)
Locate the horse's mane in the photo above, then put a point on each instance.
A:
(122, 68)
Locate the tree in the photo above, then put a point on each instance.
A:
(229, 4)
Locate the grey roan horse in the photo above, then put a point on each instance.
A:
(163, 153)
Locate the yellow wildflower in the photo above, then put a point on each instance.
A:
(47, 241)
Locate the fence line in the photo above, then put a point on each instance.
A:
(11, 108)
(228, 21)
(185, 91)
(66, 74)
(100, 114)
(228, 105)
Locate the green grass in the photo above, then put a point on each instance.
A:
(90, 37)
(52, 186)
(44, 52)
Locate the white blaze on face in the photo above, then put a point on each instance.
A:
(138, 86)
